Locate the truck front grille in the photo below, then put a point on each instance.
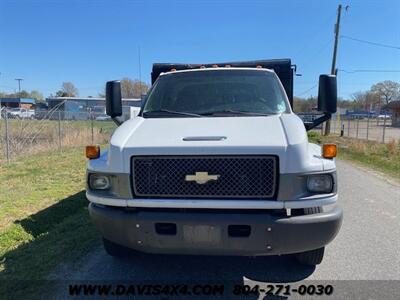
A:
(185, 176)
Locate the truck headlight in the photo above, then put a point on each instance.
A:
(320, 183)
(99, 182)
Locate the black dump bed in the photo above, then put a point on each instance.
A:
(282, 67)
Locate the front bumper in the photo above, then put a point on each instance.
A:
(208, 233)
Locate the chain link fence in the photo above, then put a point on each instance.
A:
(370, 128)
(56, 129)
(367, 127)
(51, 130)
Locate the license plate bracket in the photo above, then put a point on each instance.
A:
(202, 234)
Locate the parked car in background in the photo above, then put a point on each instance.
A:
(20, 113)
(103, 117)
(384, 116)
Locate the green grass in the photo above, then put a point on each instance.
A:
(43, 218)
(384, 158)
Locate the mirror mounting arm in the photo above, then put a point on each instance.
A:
(117, 120)
(316, 122)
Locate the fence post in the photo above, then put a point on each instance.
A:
(341, 127)
(91, 125)
(367, 126)
(358, 121)
(7, 137)
(59, 130)
(384, 129)
(348, 126)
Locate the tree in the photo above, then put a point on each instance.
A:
(133, 88)
(386, 90)
(302, 105)
(67, 90)
(23, 94)
(36, 95)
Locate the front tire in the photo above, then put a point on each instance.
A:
(311, 258)
(115, 250)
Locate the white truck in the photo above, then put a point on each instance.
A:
(21, 113)
(216, 163)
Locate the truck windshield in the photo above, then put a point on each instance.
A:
(216, 93)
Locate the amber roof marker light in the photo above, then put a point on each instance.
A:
(92, 151)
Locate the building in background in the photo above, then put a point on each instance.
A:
(394, 108)
(78, 108)
(27, 103)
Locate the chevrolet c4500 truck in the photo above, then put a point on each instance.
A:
(216, 163)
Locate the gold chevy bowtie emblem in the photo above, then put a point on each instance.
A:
(201, 177)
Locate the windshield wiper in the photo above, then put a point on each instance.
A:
(170, 112)
(233, 112)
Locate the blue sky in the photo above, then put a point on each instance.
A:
(86, 42)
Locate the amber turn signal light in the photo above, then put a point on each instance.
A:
(329, 150)
(92, 152)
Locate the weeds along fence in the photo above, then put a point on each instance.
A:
(51, 130)
(370, 128)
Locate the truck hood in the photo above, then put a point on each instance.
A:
(282, 135)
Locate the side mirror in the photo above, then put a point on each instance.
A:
(113, 99)
(327, 94)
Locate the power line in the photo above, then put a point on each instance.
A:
(306, 91)
(369, 42)
(316, 34)
(369, 71)
(305, 65)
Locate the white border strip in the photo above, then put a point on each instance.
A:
(107, 200)
(211, 203)
(293, 204)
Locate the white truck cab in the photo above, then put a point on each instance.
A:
(216, 163)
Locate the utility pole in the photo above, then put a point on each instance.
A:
(140, 73)
(0, 104)
(19, 85)
(333, 68)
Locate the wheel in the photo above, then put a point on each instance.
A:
(311, 258)
(115, 250)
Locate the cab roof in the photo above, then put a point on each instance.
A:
(214, 69)
(282, 67)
